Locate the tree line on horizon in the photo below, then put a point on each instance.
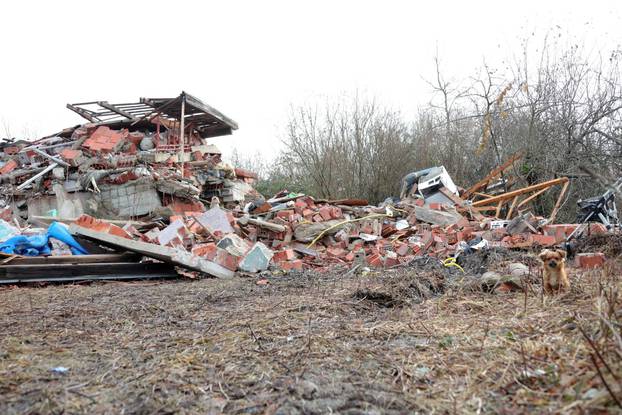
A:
(560, 106)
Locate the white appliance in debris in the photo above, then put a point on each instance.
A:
(435, 177)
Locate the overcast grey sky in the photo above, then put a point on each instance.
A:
(252, 59)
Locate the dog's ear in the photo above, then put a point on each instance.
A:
(562, 252)
(543, 254)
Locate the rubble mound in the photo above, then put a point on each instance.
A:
(479, 262)
(608, 244)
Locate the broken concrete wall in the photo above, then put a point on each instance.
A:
(70, 205)
(135, 198)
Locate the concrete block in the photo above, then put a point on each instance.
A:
(257, 259)
(233, 244)
(215, 220)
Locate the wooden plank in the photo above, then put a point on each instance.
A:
(512, 206)
(8, 259)
(77, 259)
(78, 270)
(558, 202)
(531, 197)
(462, 204)
(162, 253)
(45, 273)
(510, 195)
(119, 222)
(349, 202)
(494, 173)
(274, 227)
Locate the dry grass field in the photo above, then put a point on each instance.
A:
(415, 339)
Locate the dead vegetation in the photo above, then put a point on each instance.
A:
(400, 341)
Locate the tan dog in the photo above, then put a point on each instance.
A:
(554, 274)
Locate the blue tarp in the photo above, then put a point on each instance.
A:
(36, 245)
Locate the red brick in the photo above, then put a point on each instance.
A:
(440, 238)
(336, 252)
(350, 256)
(452, 239)
(284, 214)
(427, 240)
(284, 255)
(597, 228)
(90, 222)
(463, 223)
(367, 228)
(498, 234)
(590, 260)
(335, 212)
(289, 265)
(182, 207)
(105, 140)
(435, 206)
(325, 212)
(73, 157)
(309, 201)
(357, 245)
(467, 232)
(301, 204)
(8, 167)
(391, 260)
(388, 229)
(375, 260)
(226, 260)
(520, 240)
(207, 250)
(506, 287)
(402, 249)
(543, 240)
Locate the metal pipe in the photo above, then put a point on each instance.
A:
(181, 131)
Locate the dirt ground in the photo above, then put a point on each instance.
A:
(400, 341)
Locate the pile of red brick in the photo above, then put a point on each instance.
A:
(299, 232)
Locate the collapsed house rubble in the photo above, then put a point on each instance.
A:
(129, 197)
(127, 161)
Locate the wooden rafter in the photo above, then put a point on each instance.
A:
(494, 173)
(497, 203)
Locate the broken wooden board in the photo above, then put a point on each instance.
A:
(493, 174)
(274, 227)
(76, 259)
(11, 274)
(462, 204)
(162, 253)
(349, 202)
